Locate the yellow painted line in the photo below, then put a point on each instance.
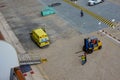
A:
(98, 17)
(44, 75)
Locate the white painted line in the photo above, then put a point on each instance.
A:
(110, 36)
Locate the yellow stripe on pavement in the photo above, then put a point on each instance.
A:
(98, 17)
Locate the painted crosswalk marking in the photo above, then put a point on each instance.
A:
(98, 17)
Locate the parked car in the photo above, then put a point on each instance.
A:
(94, 2)
(54, 4)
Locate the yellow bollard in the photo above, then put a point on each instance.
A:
(43, 60)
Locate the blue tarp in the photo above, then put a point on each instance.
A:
(47, 11)
(25, 68)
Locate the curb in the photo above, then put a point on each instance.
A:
(110, 35)
(9, 36)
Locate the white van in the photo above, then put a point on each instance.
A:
(94, 2)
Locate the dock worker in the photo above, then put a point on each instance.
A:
(81, 13)
(84, 59)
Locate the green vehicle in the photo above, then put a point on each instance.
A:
(47, 11)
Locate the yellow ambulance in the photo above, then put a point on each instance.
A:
(40, 36)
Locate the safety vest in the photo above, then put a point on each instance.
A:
(83, 57)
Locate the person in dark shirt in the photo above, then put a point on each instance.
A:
(81, 13)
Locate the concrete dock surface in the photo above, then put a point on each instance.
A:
(64, 53)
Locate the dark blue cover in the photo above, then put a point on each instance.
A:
(25, 68)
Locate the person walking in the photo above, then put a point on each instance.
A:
(81, 13)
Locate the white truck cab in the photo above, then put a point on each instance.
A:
(94, 2)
